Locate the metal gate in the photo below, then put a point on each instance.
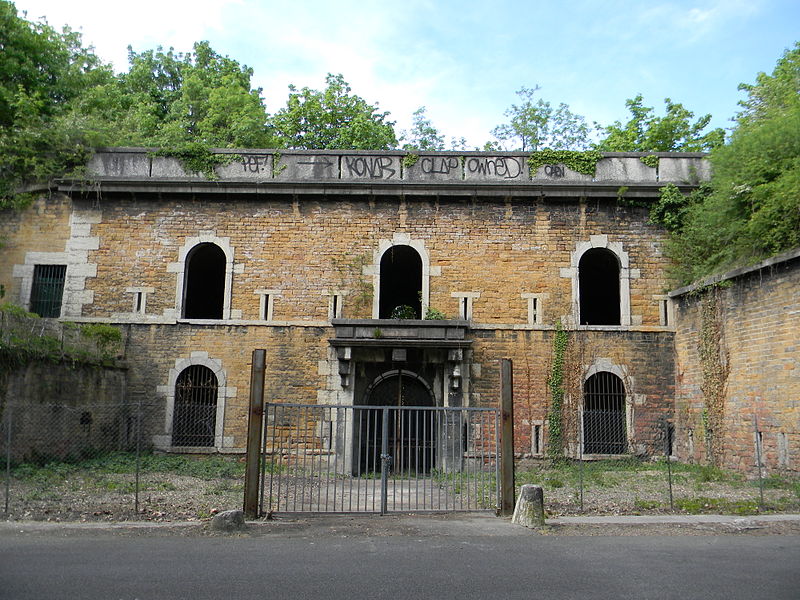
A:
(379, 459)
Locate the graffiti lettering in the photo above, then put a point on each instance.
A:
(556, 171)
(255, 163)
(374, 167)
(440, 165)
(507, 168)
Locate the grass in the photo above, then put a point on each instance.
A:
(633, 485)
(124, 463)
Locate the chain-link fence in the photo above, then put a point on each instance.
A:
(95, 462)
(611, 483)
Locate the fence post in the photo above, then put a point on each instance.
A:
(507, 445)
(385, 462)
(8, 454)
(758, 461)
(255, 427)
(138, 453)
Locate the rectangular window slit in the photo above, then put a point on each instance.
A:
(265, 314)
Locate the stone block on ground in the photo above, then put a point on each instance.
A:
(529, 511)
(229, 520)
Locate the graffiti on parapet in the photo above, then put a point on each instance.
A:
(439, 164)
(374, 167)
(507, 168)
(255, 163)
(555, 171)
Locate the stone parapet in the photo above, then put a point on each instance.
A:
(276, 168)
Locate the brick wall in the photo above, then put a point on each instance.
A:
(758, 315)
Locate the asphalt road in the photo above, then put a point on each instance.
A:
(441, 559)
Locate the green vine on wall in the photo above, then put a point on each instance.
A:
(714, 371)
(196, 157)
(651, 160)
(555, 383)
(582, 162)
(409, 160)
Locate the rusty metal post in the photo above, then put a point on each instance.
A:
(255, 425)
(507, 495)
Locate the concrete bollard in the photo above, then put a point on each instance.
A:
(529, 511)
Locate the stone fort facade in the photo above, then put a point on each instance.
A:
(332, 260)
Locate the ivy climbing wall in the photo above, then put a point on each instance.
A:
(738, 367)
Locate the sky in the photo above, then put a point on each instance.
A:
(464, 60)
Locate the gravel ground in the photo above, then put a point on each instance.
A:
(167, 497)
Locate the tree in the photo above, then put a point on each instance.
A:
(674, 132)
(423, 135)
(42, 71)
(751, 209)
(332, 118)
(171, 99)
(537, 125)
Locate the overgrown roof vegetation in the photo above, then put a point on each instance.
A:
(58, 101)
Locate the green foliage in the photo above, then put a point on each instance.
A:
(423, 135)
(17, 311)
(538, 125)
(403, 311)
(170, 99)
(555, 383)
(107, 337)
(434, 315)
(674, 132)
(751, 209)
(409, 160)
(670, 210)
(651, 160)
(332, 118)
(42, 71)
(197, 157)
(583, 162)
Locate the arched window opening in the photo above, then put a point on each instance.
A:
(204, 290)
(194, 415)
(598, 273)
(604, 415)
(411, 433)
(400, 283)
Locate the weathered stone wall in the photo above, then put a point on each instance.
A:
(314, 232)
(307, 248)
(65, 410)
(643, 360)
(757, 313)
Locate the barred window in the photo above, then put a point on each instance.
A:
(604, 415)
(47, 290)
(195, 411)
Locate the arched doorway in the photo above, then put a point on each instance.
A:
(195, 410)
(400, 282)
(604, 430)
(411, 430)
(204, 287)
(598, 274)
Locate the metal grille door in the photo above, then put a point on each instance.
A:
(604, 430)
(195, 412)
(379, 458)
